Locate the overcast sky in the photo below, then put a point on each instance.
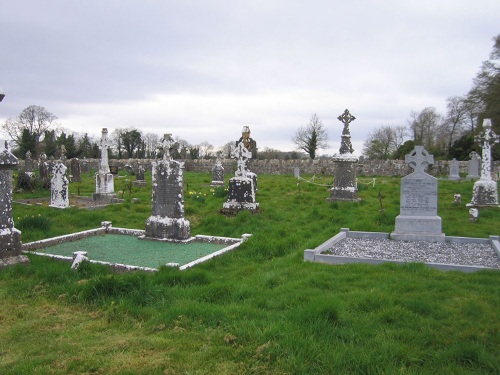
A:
(201, 70)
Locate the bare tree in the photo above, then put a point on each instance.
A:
(227, 149)
(151, 140)
(425, 127)
(456, 116)
(206, 150)
(311, 137)
(35, 119)
(382, 142)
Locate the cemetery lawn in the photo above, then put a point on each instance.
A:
(259, 309)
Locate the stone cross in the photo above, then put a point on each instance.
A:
(166, 144)
(488, 138)
(346, 146)
(419, 159)
(104, 144)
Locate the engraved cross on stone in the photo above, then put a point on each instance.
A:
(346, 146)
(104, 144)
(488, 138)
(419, 159)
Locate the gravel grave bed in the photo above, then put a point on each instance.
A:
(471, 254)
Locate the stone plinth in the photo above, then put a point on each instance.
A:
(484, 194)
(241, 195)
(10, 237)
(167, 214)
(104, 187)
(345, 186)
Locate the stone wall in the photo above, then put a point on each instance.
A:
(318, 167)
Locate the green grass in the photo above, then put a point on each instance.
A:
(259, 309)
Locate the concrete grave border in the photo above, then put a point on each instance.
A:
(107, 228)
(316, 255)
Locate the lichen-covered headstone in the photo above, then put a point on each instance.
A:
(243, 186)
(43, 167)
(139, 177)
(167, 220)
(28, 162)
(418, 219)
(218, 172)
(104, 180)
(345, 186)
(59, 186)
(454, 170)
(10, 237)
(485, 191)
(473, 165)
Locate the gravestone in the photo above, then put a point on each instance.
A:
(167, 220)
(59, 197)
(418, 220)
(28, 162)
(104, 180)
(43, 167)
(243, 186)
(76, 170)
(345, 186)
(10, 237)
(218, 172)
(296, 172)
(485, 191)
(139, 177)
(85, 165)
(63, 154)
(454, 170)
(473, 165)
(50, 165)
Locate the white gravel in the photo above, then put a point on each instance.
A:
(471, 254)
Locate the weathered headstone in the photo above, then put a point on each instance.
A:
(243, 186)
(139, 177)
(418, 219)
(454, 170)
(63, 153)
(10, 237)
(59, 197)
(43, 167)
(296, 172)
(473, 165)
(218, 172)
(167, 220)
(85, 165)
(28, 162)
(485, 191)
(104, 180)
(345, 186)
(76, 170)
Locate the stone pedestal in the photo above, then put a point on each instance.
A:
(241, 195)
(345, 186)
(10, 237)
(104, 187)
(167, 220)
(484, 194)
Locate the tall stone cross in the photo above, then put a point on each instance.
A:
(104, 144)
(488, 138)
(166, 144)
(346, 146)
(419, 159)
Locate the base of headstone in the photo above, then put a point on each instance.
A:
(241, 195)
(216, 183)
(11, 248)
(104, 183)
(345, 186)
(165, 228)
(484, 194)
(58, 206)
(418, 228)
(140, 183)
(104, 198)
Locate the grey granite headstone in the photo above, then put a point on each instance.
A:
(10, 237)
(485, 191)
(43, 167)
(139, 177)
(218, 172)
(454, 170)
(104, 180)
(473, 165)
(167, 220)
(59, 197)
(243, 186)
(345, 186)
(418, 219)
(76, 170)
